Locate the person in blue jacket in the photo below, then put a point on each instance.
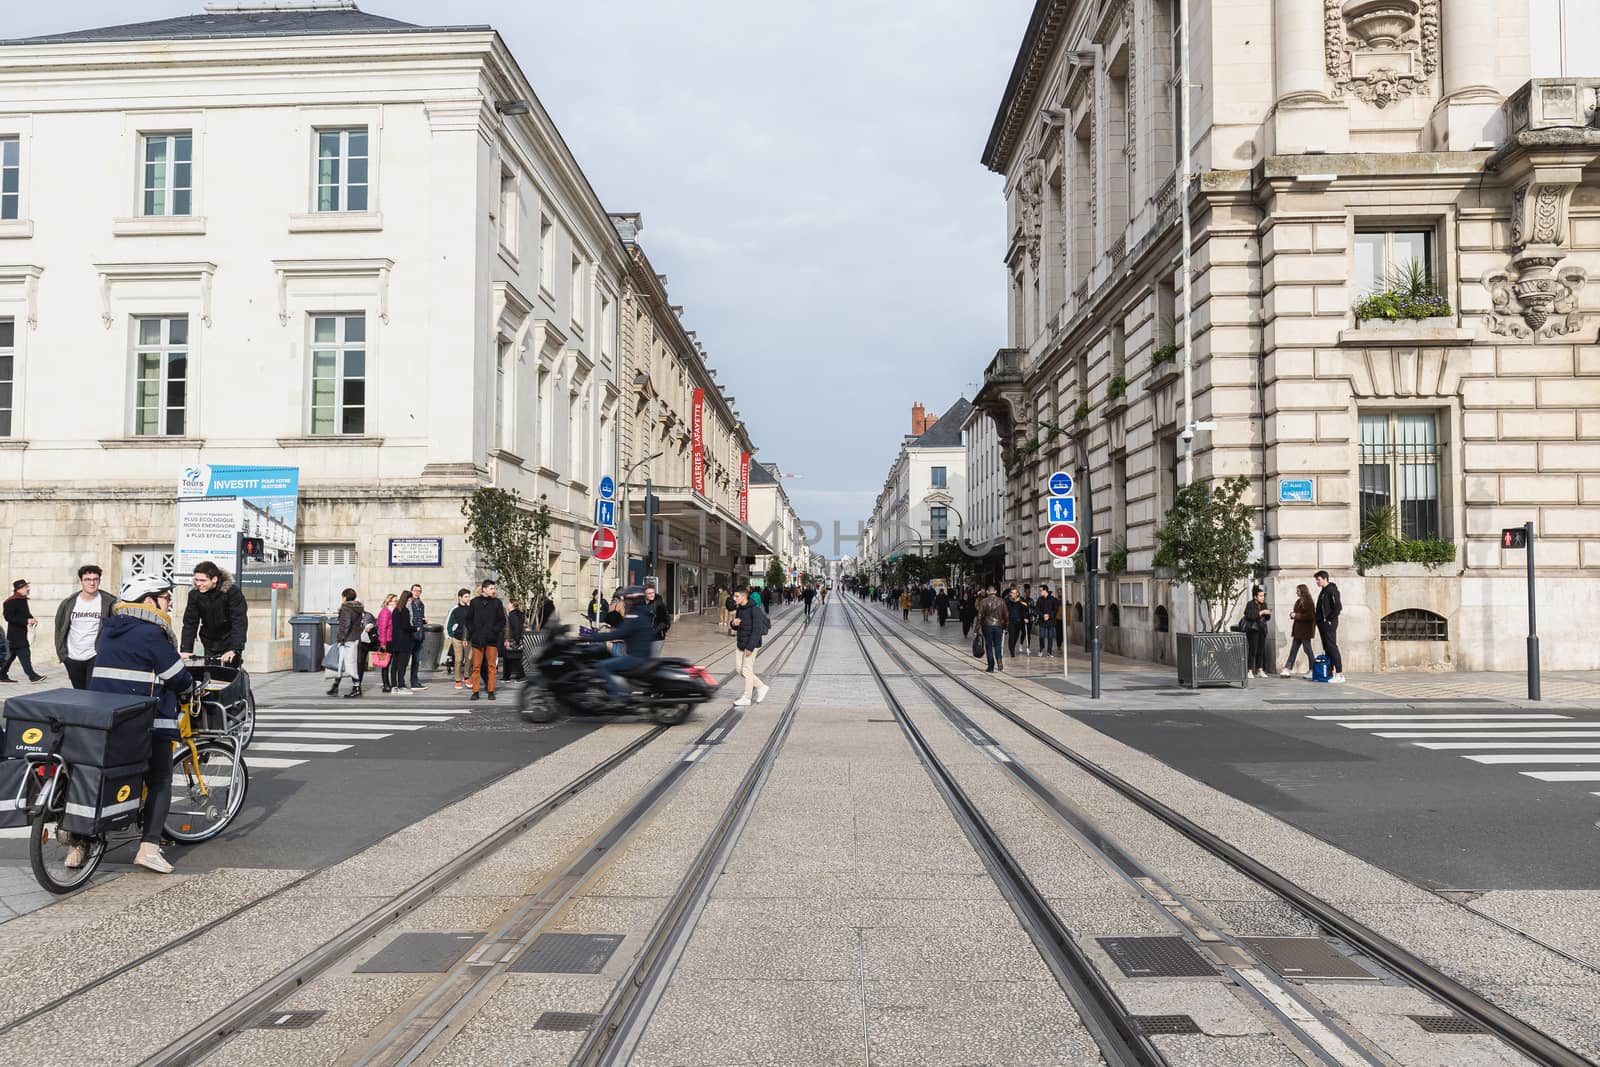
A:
(138, 656)
(635, 634)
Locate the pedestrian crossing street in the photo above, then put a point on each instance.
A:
(1555, 747)
(290, 736)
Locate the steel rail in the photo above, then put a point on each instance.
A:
(622, 1022)
(1102, 1012)
(1527, 1039)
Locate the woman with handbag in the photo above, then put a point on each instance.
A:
(382, 658)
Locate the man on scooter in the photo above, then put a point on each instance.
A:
(636, 633)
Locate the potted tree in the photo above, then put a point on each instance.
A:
(1206, 544)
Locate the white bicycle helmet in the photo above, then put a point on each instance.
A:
(142, 586)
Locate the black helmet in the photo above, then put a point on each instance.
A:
(632, 593)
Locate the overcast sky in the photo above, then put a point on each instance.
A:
(810, 184)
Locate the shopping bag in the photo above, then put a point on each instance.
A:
(977, 646)
(330, 658)
(380, 660)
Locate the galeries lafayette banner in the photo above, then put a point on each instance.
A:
(744, 487)
(697, 441)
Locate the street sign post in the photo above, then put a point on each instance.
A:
(605, 513)
(1061, 484)
(603, 544)
(1062, 509)
(1515, 537)
(608, 488)
(1062, 541)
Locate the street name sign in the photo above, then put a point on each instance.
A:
(1297, 490)
(1062, 541)
(1063, 508)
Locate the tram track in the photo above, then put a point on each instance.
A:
(463, 988)
(1529, 1041)
(260, 1001)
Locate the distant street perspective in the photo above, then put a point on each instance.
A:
(1071, 538)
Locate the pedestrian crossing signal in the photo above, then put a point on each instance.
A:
(251, 548)
(1514, 537)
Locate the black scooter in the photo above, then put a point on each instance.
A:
(563, 680)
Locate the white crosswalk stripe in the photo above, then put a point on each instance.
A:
(1494, 739)
(291, 735)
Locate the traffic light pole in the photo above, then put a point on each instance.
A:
(1533, 622)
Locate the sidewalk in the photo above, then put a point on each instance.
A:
(1129, 683)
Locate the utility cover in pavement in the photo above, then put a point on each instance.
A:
(1447, 1024)
(1156, 957)
(1306, 957)
(420, 953)
(567, 954)
(565, 1020)
(1165, 1024)
(288, 1020)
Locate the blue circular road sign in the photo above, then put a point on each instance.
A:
(608, 488)
(1061, 484)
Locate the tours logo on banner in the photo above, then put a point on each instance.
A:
(744, 487)
(697, 441)
(217, 505)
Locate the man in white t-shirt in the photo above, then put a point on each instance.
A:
(79, 620)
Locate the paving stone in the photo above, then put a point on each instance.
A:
(1022, 1023)
(734, 1021)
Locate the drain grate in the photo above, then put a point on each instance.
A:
(289, 1020)
(567, 954)
(1446, 1024)
(1156, 957)
(1165, 1024)
(1306, 957)
(420, 953)
(574, 1021)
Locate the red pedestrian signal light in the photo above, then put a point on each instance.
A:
(252, 548)
(1514, 537)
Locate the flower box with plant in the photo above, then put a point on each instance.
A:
(1207, 544)
(1117, 389)
(1410, 296)
(1382, 545)
(1082, 412)
(1117, 560)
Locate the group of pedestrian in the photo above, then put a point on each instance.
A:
(1308, 617)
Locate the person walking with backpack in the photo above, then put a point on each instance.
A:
(19, 630)
(1329, 608)
(749, 624)
(1302, 625)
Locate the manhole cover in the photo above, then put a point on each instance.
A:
(426, 953)
(567, 954)
(565, 1020)
(1165, 1024)
(1446, 1024)
(1156, 957)
(289, 1020)
(1306, 957)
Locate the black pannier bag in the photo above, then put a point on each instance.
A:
(102, 798)
(93, 729)
(222, 702)
(13, 793)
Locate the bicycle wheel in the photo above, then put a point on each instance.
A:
(207, 794)
(50, 849)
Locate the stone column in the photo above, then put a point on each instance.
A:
(1468, 115)
(1304, 118)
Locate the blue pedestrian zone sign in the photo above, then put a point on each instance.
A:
(605, 513)
(608, 488)
(1063, 509)
(1297, 491)
(1061, 484)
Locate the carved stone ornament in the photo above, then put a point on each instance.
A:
(1534, 298)
(1381, 50)
(1031, 190)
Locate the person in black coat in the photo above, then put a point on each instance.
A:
(215, 612)
(402, 644)
(655, 607)
(941, 604)
(486, 628)
(1256, 614)
(969, 612)
(19, 626)
(1329, 608)
(516, 637)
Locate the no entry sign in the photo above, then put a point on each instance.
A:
(1062, 541)
(605, 544)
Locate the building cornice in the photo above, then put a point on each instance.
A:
(1045, 28)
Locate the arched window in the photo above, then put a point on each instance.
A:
(1414, 624)
(1161, 619)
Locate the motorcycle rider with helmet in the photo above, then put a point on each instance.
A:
(138, 656)
(635, 633)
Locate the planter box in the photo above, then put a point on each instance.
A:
(1387, 333)
(1211, 659)
(1414, 570)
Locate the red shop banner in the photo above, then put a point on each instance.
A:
(697, 441)
(744, 487)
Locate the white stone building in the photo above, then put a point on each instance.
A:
(986, 482)
(1333, 145)
(310, 237)
(776, 522)
(924, 496)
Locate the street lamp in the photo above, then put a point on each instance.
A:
(627, 525)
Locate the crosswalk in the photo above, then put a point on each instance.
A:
(290, 736)
(1541, 740)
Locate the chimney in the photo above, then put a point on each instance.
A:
(928, 425)
(919, 420)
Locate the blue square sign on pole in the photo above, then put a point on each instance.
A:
(1063, 509)
(1061, 484)
(605, 513)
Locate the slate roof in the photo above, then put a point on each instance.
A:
(946, 433)
(299, 22)
(760, 475)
